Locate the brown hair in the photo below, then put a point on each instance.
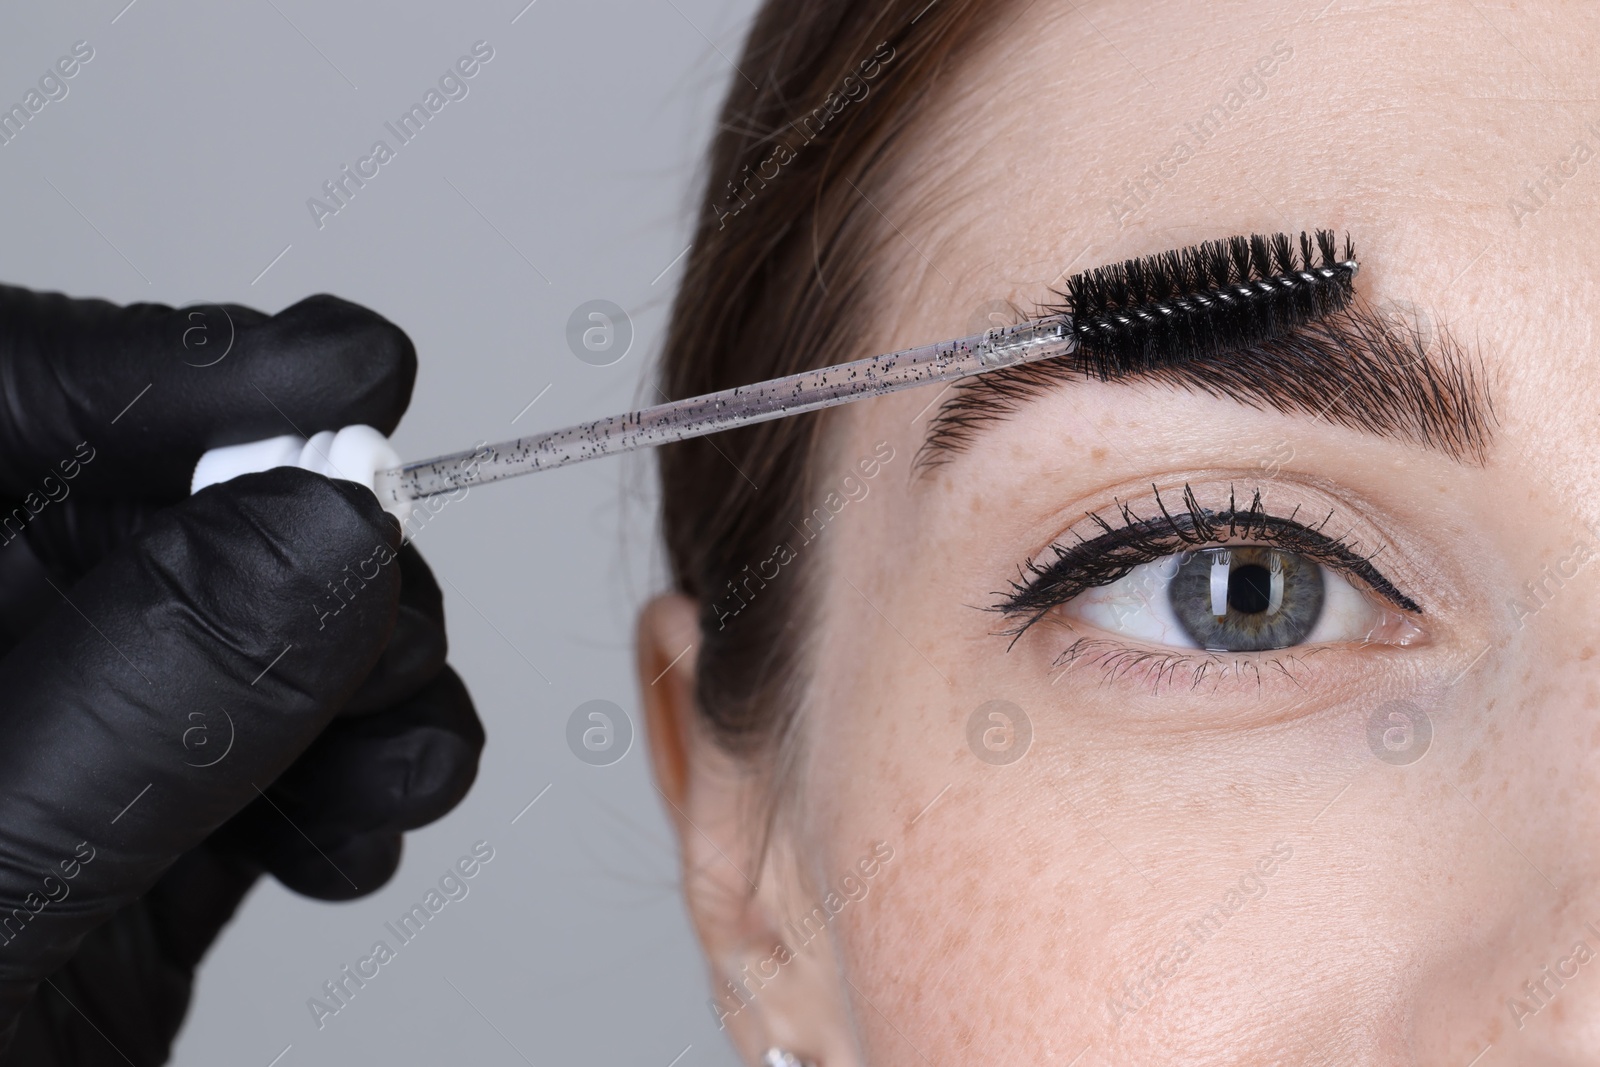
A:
(779, 281)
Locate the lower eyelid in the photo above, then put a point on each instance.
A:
(1187, 670)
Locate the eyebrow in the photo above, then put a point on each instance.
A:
(1391, 375)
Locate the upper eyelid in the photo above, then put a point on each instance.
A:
(1341, 556)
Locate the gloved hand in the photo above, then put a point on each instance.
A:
(195, 689)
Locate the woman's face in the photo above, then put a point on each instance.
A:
(1089, 840)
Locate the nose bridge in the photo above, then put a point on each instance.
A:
(1550, 1011)
(1566, 572)
(1550, 1007)
(1528, 763)
(1543, 989)
(1548, 481)
(1528, 993)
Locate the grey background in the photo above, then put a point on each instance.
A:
(176, 169)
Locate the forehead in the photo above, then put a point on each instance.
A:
(1085, 133)
(1452, 143)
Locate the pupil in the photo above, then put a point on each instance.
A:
(1244, 578)
(1249, 589)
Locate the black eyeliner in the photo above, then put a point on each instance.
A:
(1045, 584)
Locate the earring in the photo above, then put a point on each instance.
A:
(777, 1057)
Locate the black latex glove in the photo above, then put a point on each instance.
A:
(179, 708)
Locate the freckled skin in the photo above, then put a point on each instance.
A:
(1027, 900)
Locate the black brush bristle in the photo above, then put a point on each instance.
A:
(1199, 301)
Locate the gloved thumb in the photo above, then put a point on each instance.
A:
(254, 610)
(119, 402)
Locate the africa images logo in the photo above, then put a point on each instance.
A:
(52, 86)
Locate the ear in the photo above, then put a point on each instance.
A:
(775, 980)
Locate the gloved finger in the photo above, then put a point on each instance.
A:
(121, 401)
(65, 541)
(72, 537)
(204, 614)
(44, 555)
(416, 652)
(135, 972)
(402, 768)
(365, 778)
(344, 870)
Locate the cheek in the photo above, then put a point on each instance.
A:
(1085, 895)
(985, 921)
(973, 944)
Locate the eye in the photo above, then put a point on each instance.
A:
(1236, 598)
(1230, 579)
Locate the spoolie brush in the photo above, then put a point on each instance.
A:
(1196, 302)
(1112, 321)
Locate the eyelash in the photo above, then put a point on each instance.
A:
(1163, 665)
(1045, 584)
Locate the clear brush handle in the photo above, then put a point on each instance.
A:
(697, 416)
(361, 454)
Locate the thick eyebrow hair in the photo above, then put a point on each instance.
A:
(1356, 368)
